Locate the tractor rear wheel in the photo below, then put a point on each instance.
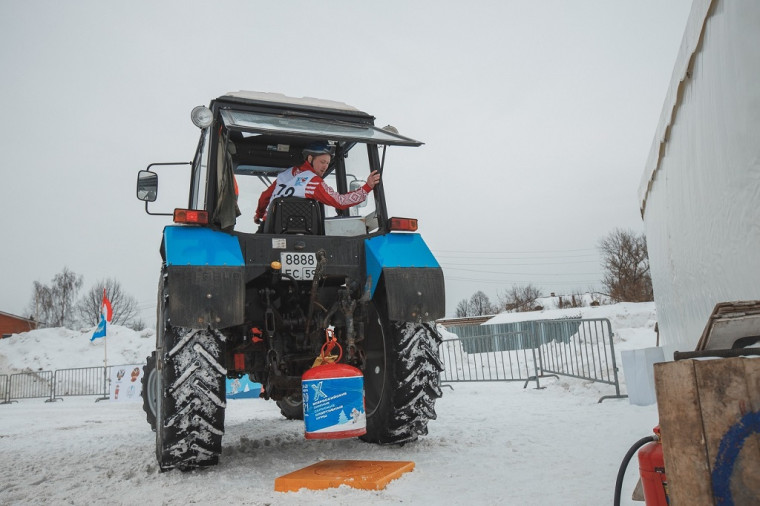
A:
(191, 399)
(401, 379)
(187, 393)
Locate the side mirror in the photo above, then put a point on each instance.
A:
(147, 185)
(355, 185)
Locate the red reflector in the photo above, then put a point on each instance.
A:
(239, 362)
(404, 224)
(190, 216)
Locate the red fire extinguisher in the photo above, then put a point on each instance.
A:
(652, 471)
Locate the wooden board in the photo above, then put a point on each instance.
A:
(683, 444)
(710, 425)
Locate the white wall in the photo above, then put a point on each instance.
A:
(700, 192)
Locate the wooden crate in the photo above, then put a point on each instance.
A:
(710, 423)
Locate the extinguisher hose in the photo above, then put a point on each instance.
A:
(624, 465)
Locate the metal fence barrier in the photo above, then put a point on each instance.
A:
(54, 385)
(527, 351)
(488, 358)
(589, 354)
(81, 381)
(4, 389)
(29, 385)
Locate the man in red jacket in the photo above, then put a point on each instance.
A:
(306, 182)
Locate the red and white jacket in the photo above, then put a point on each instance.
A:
(305, 183)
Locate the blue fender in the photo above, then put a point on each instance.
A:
(188, 245)
(410, 276)
(205, 277)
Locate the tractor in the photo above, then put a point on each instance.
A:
(239, 298)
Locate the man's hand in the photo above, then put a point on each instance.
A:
(373, 179)
(257, 219)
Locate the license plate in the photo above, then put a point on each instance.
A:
(299, 266)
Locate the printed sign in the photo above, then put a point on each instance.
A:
(334, 405)
(126, 383)
(243, 388)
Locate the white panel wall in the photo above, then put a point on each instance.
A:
(700, 192)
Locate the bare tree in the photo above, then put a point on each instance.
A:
(41, 307)
(626, 267)
(463, 309)
(480, 304)
(124, 305)
(66, 285)
(53, 305)
(519, 298)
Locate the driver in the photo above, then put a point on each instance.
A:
(306, 182)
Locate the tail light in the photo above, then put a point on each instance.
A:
(191, 216)
(404, 224)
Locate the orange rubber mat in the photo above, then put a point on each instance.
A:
(363, 474)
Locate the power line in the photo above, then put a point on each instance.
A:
(520, 251)
(526, 273)
(476, 254)
(529, 263)
(525, 282)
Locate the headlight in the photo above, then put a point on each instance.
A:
(201, 116)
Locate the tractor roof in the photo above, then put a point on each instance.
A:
(303, 103)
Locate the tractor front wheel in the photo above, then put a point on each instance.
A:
(150, 390)
(184, 392)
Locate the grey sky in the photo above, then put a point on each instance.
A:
(537, 118)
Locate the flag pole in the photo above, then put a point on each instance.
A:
(106, 393)
(105, 347)
(105, 338)
(105, 351)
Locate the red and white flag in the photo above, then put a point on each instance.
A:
(105, 309)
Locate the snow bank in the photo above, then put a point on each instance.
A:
(60, 348)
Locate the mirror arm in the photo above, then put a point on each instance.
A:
(156, 214)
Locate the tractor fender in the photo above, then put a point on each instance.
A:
(402, 270)
(204, 277)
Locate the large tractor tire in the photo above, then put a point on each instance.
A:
(190, 414)
(150, 371)
(291, 407)
(186, 392)
(401, 379)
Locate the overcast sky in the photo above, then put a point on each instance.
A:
(537, 118)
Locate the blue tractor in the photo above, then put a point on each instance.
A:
(238, 298)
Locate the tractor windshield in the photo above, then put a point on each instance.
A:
(345, 174)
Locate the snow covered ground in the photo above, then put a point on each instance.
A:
(493, 443)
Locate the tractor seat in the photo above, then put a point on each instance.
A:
(294, 215)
